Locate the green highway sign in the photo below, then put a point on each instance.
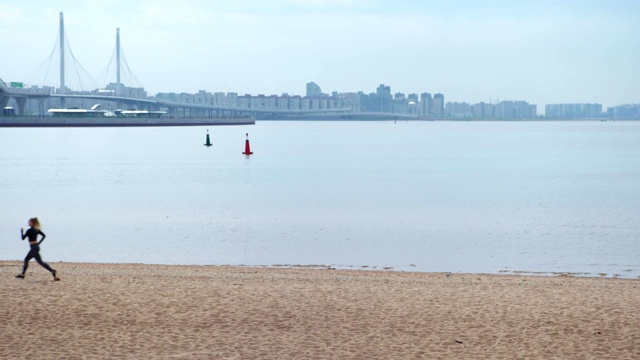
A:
(15, 84)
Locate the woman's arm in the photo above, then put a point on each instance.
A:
(24, 236)
(43, 236)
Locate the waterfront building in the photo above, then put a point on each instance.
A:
(219, 99)
(203, 97)
(232, 99)
(425, 104)
(349, 100)
(123, 90)
(295, 102)
(400, 106)
(626, 112)
(515, 110)
(283, 102)
(458, 109)
(366, 101)
(305, 103)
(437, 109)
(383, 99)
(573, 111)
(271, 102)
(482, 110)
(313, 90)
(314, 103)
(187, 98)
(257, 102)
(243, 101)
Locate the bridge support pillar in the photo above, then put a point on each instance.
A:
(41, 107)
(22, 104)
(4, 101)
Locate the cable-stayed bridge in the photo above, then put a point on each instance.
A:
(63, 78)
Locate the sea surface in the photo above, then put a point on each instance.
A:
(480, 197)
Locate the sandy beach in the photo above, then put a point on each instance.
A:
(137, 311)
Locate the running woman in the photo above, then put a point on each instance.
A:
(32, 233)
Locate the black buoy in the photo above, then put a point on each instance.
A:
(208, 143)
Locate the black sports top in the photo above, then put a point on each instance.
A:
(32, 233)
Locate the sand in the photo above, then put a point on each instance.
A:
(103, 311)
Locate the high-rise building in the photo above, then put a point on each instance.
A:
(383, 98)
(458, 109)
(425, 104)
(283, 101)
(573, 111)
(313, 90)
(438, 105)
(626, 112)
(365, 102)
(515, 110)
(295, 102)
(482, 110)
(232, 99)
(219, 98)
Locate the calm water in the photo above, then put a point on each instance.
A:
(424, 196)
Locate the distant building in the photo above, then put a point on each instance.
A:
(219, 99)
(271, 102)
(125, 91)
(295, 102)
(515, 110)
(257, 102)
(349, 100)
(283, 101)
(203, 97)
(437, 109)
(313, 90)
(425, 104)
(383, 103)
(458, 110)
(626, 112)
(573, 111)
(232, 99)
(482, 110)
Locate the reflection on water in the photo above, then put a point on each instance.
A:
(420, 196)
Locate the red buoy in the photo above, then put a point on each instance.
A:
(247, 147)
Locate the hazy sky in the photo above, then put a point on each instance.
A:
(540, 51)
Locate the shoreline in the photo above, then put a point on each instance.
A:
(409, 269)
(209, 311)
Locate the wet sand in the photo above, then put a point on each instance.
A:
(202, 312)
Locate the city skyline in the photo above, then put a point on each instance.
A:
(572, 52)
